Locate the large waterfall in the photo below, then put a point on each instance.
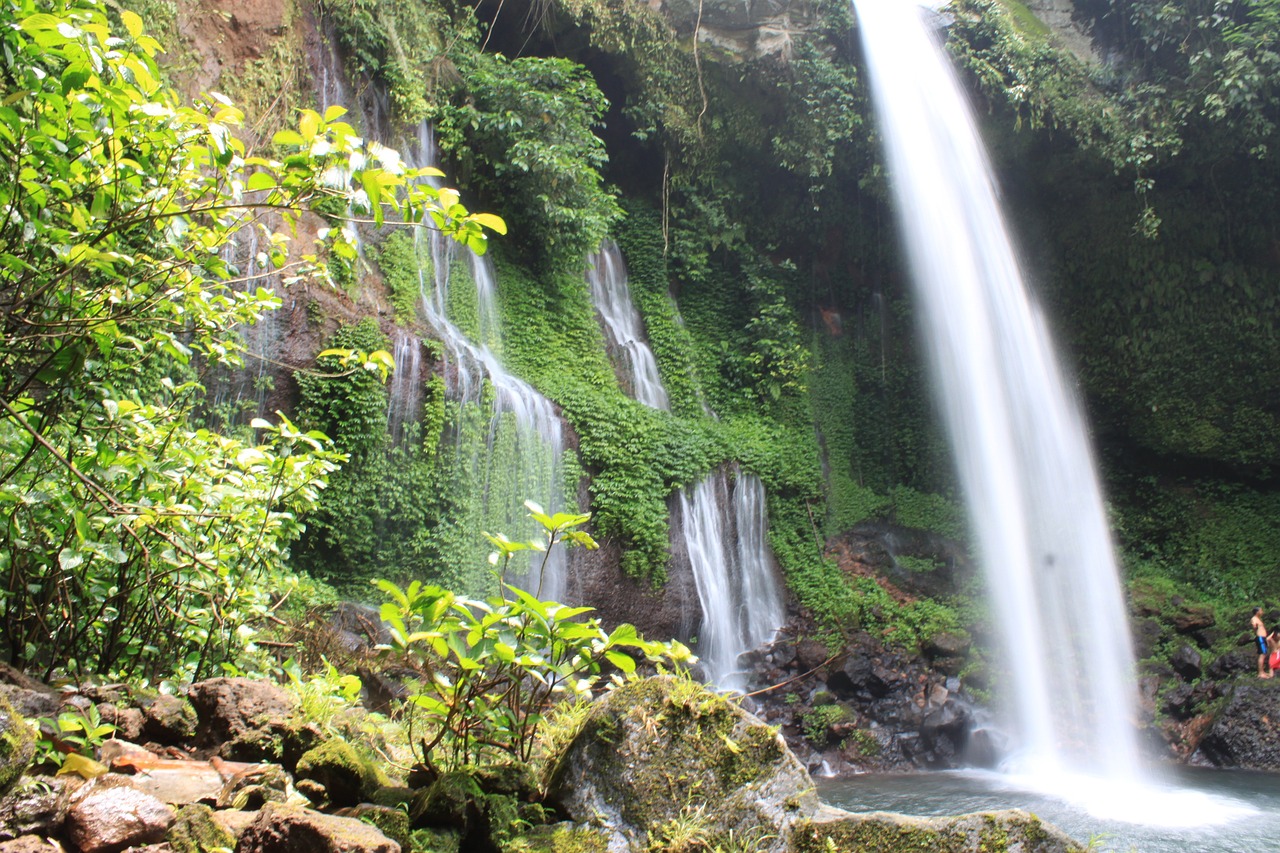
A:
(520, 457)
(1017, 432)
(724, 515)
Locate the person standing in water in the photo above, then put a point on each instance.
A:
(1260, 638)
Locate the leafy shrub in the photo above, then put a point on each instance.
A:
(489, 668)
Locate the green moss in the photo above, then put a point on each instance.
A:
(403, 270)
(347, 779)
(17, 745)
(435, 841)
(818, 723)
(686, 746)
(872, 837)
(566, 839)
(195, 831)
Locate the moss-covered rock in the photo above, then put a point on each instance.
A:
(663, 751)
(195, 831)
(1010, 831)
(391, 822)
(17, 745)
(170, 720)
(567, 838)
(346, 778)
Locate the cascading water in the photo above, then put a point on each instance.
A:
(607, 278)
(524, 441)
(1018, 435)
(725, 515)
(404, 393)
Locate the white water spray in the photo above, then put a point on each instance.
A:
(1018, 435)
(725, 515)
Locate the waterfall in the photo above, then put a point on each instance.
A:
(404, 395)
(1017, 431)
(524, 440)
(607, 278)
(725, 514)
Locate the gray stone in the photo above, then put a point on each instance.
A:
(32, 704)
(109, 814)
(35, 807)
(292, 829)
(1186, 662)
(1246, 732)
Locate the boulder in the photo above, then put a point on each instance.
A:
(1193, 618)
(341, 776)
(195, 831)
(1146, 633)
(35, 807)
(109, 814)
(1233, 663)
(1015, 831)
(17, 745)
(251, 721)
(1179, 702)
(292, 829)
(170, 720)
(230, 708)
(29, 844)
(859, 677)
(1186, 662)
(392, 822)
(1246, 732)
(653, 752)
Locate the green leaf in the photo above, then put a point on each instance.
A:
(490, 221)
(132, 22)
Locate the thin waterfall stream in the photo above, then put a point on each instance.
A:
(523, 449)
(725, 515)
(1018, 436)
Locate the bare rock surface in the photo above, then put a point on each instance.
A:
(292, 829)
(109, 814)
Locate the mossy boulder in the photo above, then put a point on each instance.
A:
(195, 831)
(657, 752)
(478, 804)
(1009, 831)
(170, 720)
(391, 822)
(342, 776)
(17, 745)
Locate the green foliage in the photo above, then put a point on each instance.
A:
(404, 45)
(1216, 538)
(818, 722)
(76, 733)
(928, 511)
(529, 122)
(489, 668)
(348, 405)
(397, 258)
(113, 272)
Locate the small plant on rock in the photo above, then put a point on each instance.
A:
(490, 668)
